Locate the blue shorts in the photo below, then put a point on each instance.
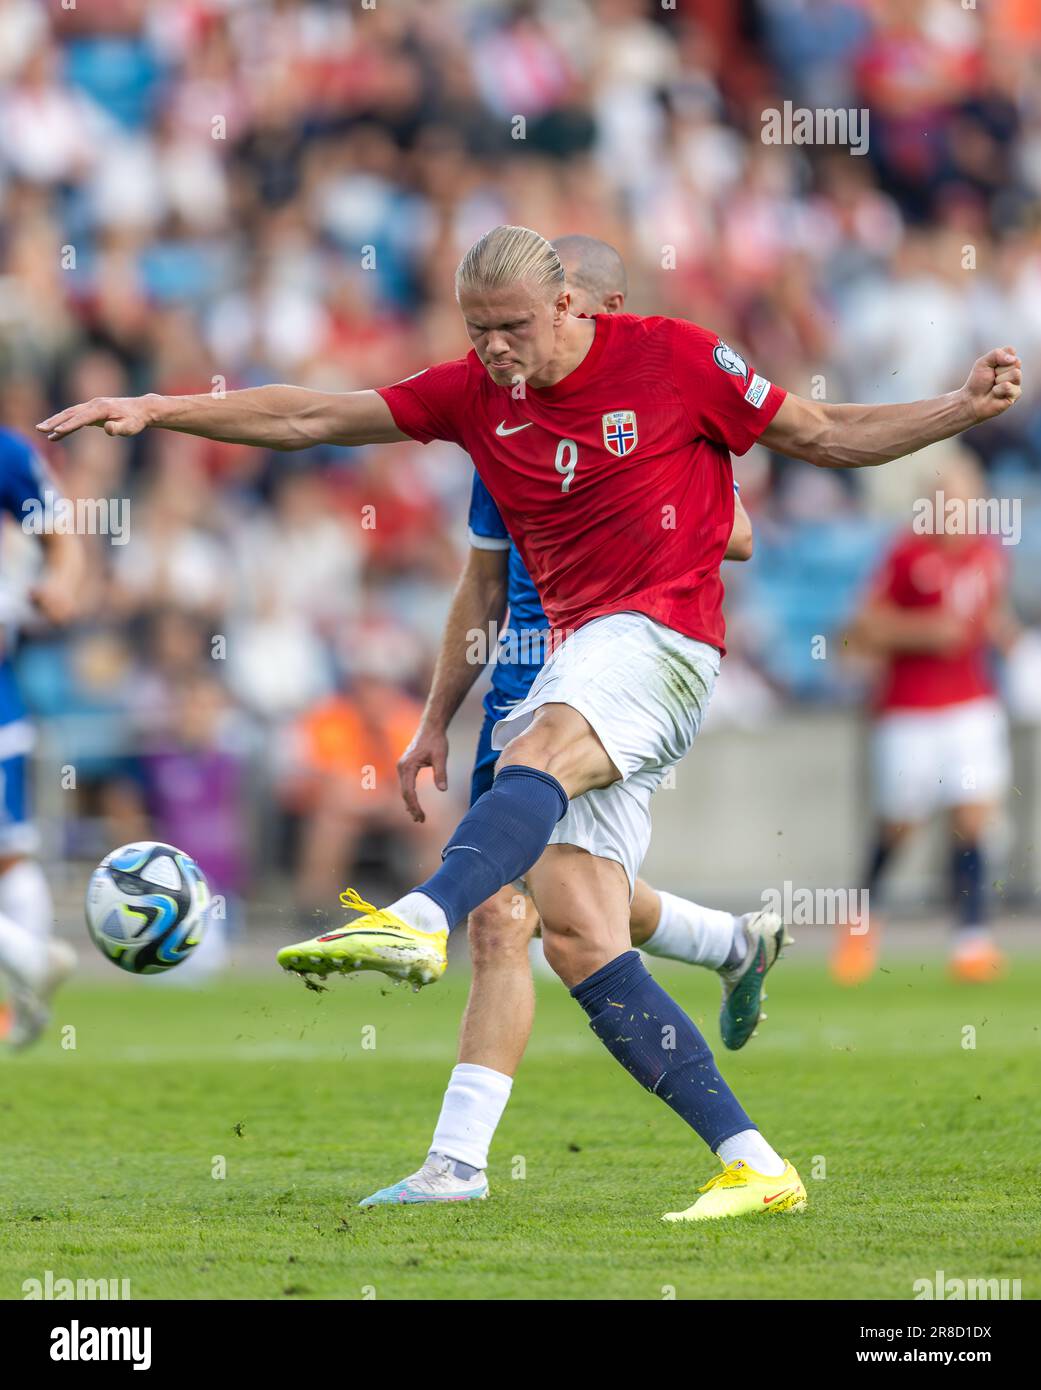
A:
(497, 705)
(17, 833)
(487, 757)
(17, 738)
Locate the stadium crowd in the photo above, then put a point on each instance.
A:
(228, 192)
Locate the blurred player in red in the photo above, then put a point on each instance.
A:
(940, 742)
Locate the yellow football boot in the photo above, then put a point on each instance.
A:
(741, 1191)
(378, 940)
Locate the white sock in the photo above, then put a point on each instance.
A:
(420, 912)
(25, 896)
(752, 1148)
(470, 1113)
(686, 931)
(23, 954)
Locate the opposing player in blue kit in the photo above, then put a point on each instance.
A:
(500, 1009)
(32, 963)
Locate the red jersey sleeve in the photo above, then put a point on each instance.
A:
(724, 399)
(431, 404)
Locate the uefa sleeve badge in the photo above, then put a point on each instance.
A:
(730, 361)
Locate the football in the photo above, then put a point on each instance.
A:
(147, 907)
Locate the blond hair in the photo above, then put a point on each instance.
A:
(506, 255)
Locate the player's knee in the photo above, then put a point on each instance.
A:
(581, 937)
(895, 834)
(969, 823)
(537, 747)
(571, 754)
(556, 950)
(563, 942)
(499, 929)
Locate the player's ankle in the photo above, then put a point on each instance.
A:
(738, 946)
(458, 1169)
(750, 1147)
(420, 912)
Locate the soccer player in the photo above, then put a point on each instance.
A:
(606, 446)
(31, 961)
(499, 1012)
(940, 741)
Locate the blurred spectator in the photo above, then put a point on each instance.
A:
(194, 786)
(342, 782)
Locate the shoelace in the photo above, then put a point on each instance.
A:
(433, 1175)
(733, 1175)
(350, 897)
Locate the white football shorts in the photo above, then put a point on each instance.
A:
(928, 760)
(644, 689)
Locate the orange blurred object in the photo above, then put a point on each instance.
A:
(347, 735)
(978, 964)
(855, 957)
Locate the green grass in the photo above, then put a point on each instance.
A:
(930, 1149)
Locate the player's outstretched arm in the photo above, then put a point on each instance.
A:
(860, 436)
(276, 417)
(479, 601)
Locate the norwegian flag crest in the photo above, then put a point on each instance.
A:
(620, 433)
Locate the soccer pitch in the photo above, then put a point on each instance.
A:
(919, 1152)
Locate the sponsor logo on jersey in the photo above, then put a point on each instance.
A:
(620, 435)
(502, 431)
(730, 361)
(758, 389)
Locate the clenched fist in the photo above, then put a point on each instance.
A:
(995, 383)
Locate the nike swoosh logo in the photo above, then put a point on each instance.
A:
(364, 931)
(768, 1200)
(502, 431)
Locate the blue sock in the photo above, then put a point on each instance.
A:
(967, 876)
(648, 1032)
(498, 839)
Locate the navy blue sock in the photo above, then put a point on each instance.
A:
(498, 839)
(655, 1041)
(880, 856)
(967, 878)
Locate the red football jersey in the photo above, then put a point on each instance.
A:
(614, 483)
(966, 579)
